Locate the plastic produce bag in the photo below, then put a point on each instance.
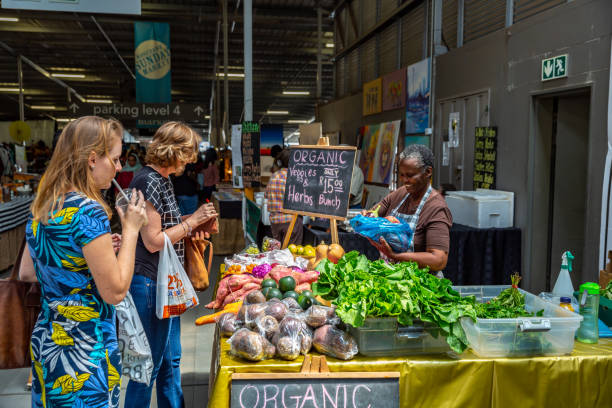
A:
(228, 324)
(250, 345)
(294, 337)
(317, 316)
(136, 360)
(334, 342)
(270, 244)
(174, 291)
(398, 235)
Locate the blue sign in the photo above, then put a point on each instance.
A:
(152, 60)
(79, 6)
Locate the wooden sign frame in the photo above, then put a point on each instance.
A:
(340, 374)
(323, 142)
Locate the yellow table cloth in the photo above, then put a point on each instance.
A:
(582, 379)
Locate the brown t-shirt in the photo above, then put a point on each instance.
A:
(435, 221)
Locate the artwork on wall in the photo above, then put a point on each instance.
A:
(369, 143)
(372, 97)
(270, 135)
(385, 152)
(394, 90)
(417, 98)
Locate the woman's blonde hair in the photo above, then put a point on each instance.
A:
(173, 142)
(69, 167)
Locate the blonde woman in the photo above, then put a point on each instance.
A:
(174, 145)
(69, 250)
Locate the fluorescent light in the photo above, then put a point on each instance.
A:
(329, 45)
(43, 107)
(98, 100)
(297, 121)
(277, 112)
(231, 74)
(311, 120)
(10, 90)
(64, 120)
(296, 93)
(207, 117)
(68, 75)
(11, 19)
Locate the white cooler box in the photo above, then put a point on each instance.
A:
(482, 208)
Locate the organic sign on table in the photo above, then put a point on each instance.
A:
(251, 166)
(319, 180)
(347, 390)
(485, 155)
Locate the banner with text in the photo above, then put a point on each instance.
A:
(152, 60)
(249, 146)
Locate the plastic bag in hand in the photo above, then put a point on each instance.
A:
(174, 291)
(136, 360)
(398, 235)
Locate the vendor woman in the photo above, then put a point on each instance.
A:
(418, 204)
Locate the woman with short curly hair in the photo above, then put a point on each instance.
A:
(174, 145)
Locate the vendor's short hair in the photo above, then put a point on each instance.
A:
(173, 142)
(275, 150)
(283, 158)
(421, 153)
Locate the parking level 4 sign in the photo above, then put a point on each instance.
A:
(555, 67)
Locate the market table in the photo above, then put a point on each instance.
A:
(582, 379)
(230, 238)
(13, 217)
(485, 256)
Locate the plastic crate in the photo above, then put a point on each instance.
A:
(549, 335)
(383, 336)
(605, 310)
(482, 208)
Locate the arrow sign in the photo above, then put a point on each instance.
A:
(555, 67)
(198, 110)
(74, 107)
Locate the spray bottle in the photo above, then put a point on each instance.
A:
(563, 286)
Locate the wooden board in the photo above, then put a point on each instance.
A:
(319, 180)
(338, 389)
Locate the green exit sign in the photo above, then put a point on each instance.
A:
(555, 67)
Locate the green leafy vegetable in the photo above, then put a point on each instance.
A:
(607, 292)
(509, 304)
(360, 288)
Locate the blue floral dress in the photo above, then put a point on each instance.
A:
(75, 356)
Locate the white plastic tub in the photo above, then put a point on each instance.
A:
(549, 335)
(482, 208)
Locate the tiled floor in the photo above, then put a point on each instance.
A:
(195, 362)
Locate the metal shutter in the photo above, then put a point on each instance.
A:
(387, 7)
(413, 27)
(352, 62)
(348, 22)
(368, 14)
(341, 17)
(526, 8)
(368, 60)
(449, 24)
(388, 50)
(483, 17)
(340, 77)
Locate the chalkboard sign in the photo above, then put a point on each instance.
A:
(485, 156)
(249, 144)
(319, 180)
(347, 390)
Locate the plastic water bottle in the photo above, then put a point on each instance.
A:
(563, 285)
(588, 332)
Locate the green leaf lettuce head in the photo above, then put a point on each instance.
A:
(360, 288)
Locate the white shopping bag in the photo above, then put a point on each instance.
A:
(174, 291)
(136, 361)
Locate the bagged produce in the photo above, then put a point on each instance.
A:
(334, 342)
(228, 324)
(267, 326)
(317, 316)
(276, 309)
(292, 305)
(250, 345)
(397, 234)
(294, 326)
(249, 313)
(288, 347)
(254, 297)
(233, 285)
(270, 244)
